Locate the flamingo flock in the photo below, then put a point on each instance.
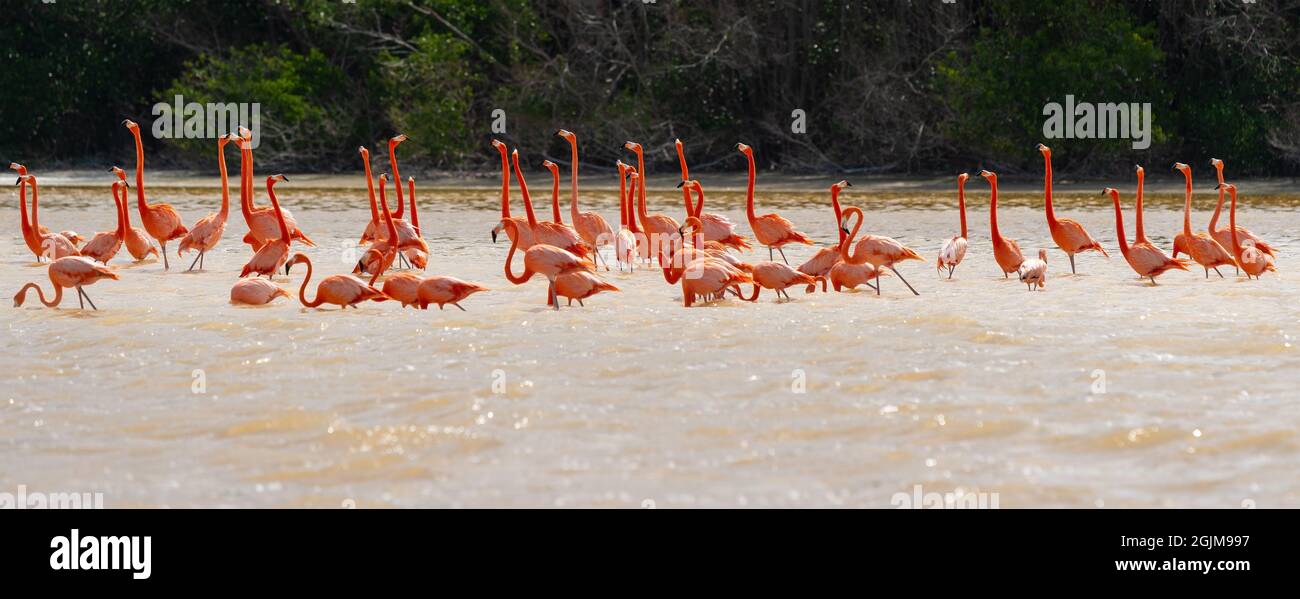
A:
(703, 254)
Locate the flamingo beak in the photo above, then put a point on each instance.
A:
(847, 184)
(679, 185)
(494, 235)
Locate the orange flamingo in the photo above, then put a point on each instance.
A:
(104, 245)
(442, 290)
(1068, 234)
(206, 233)
(716, 226)
(340, 290)
(53, 245)
(827, 257)
(546, 260)
(1202, 248)
(771, 230)
(1033, 272)
(381, 254)
(31, 235)
(555, 190)
(707, 277)
(580, 285)
(68, 271)
(593, 228)
(160, 220)
(255, 292)
(137, 241)
(880, 252)
(955, 249)
(522, 225)
(1147, 260)
(1223, 236)
(1250, 258)
(625, 242)
(263, 222)
(1005, 251)
(275, 252)
(779, 276)
(849, 276)
(416, 249)
(403, 288)
(413, 247)
(556, 234)
(642, 240)
(661, 231)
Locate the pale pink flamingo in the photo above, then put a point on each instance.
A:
(416, 250)
(580, 285)
(660, 230)
(161, 221)
(1068, 234)
(1249, 257)
(442, 290)
(137, 241)
(543, 259)
(826, 258)
(1033, 272)
(706, 277)
(379, 257)
(206, 233)
(255, 292)
(523, 225)
(625, 241)
(592, 227)
(1006, 252)
(53, 245)
(559, 235)
(880, 252)
(779, 276)
(642, 240)
(771, 230)
(1202, 248)
(105, 244)
(1224, 236)
(555, 190)
(340, 290)
(68, 271)
(848, 276)
(955, 249)
(403, 288)
(1147, 260)
(263, 222)
(275, 252)
(716, 226)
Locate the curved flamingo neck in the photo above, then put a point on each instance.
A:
(139, 171)
(671, 274)
(225, 183)
(961, 205)
(388, 216)
(1140, 232)
(513, 230)
(1187, 204)
(847, 239)
(573, 179)
(699, 201)
(279, 214)
(749, 191)
(397, 180)
(1214, 220)
(633, 181)
(993, 211)
(1047, 191)
(28, 229)
(52, 303)
(523, 189)
(302, 290)
(1119, 225)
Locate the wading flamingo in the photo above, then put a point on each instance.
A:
(255, 292)
(416, 250)
(381, 254)
(1147, 260)
(31, 235)
(580, 285)
(413, 247)
(642, 239)
(779, 276)
(771, 230)
(275, 252)
(1224, 236)
(826, 258)
(556, 234)
(1251, 259)
(706, 277)
(716, 226)
(661, 230)
(263, 222)
(625, 243)
(591, 226)
(104, 245)
(160, 220)
(69, 271)
(1068, 234)
(522, 224)
(848, 276)
(543, 259)
(555, 190)
(137, 241)
(1005, 251)
(53, 245)
(880, 252)
(340, 290)
(955, 249)
(403, 287)
(1033, 272)
(205, 234)
(443, 290)
(1202, 248)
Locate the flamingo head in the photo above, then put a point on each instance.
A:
(223, 140)
(691, 224)
(245, 133)
(396, 140)
(1042, 254)
(991, 176)
(1140, 171)
(1186, 170)
(744, 149)
(501, 147)
(631, 145)
(20, 169)
(273, 179)
(842, 185)
(688, 183)
(622, 168)
(1046, 151)
(117, 170)
(961, 179)
(555, 170)
(566, 134)
(130, 124)
(295, 259)
(365, 154)
(501, 225)
(1112, 192)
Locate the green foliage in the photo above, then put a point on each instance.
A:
(429, 94)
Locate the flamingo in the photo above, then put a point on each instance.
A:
(403, 288)
(955, 249)
(263, 222)
(273, 254)
(205, 234)
(1224, 236)
(848, 276)
(544, 259)
(827, 257)
(416, 249)
(705, 277)
(522, 225)
(876, 250)
(340, 290)
(592, 227)
(555, 191)
(442, 290)
(104, 245)
(1005, 251)
(255, 292)
(716, 226)
(1147, 260)
(642, 241)
(771, 230)
(137, 241)
(53, 245)
(625, 242)
(778, 276)
(381, 254)
(1202, 248)
(660, 230)
(556, 234)
(580, 285)
(160, 220)
(1068, 234)
(31, 235)
(68, 271)
(1033, 272)
(1251, 259)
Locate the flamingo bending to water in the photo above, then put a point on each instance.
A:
(1033, 272)
(1005, 251)
(255, 292)
(1250, 258)
(442, 290)
(1068, 234)
(955, 249)
(340, 290)
(206, 233)
(68, 271)
(543, 259)
(1200, 246)
(880, 252)
(1147, 260)
(403, 288)
(275, 252)
(771, 230)
(1224, 236)
(160, 220)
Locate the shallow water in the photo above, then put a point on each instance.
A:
(1098, 391)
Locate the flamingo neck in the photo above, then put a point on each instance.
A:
(847, 240)
(835, 205)
(139, 172)
(245, 204)
(699, 203)
(573, 181)
(397, 181)
(36, 207)
(302, 290)
(1119, 226)
(528, 200)
(388, 216)
(961, 206)
(279, 214)
(555, 197)
(993, 212)
(505, 185)
(225, 184)
(370, 189)
(749, 191)
(1047, 191)
(28, 230)
(52, 303)
(1140, 232)
(1187, 204)
(1214, 220)
(1232, 226)
(631, 200)
(513, 230)
(120, 205)
(622, 199)
(415, 217)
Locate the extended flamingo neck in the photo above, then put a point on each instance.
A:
(749, 191)
(1214, 220)
(225, 183)
(1232, 225)
(1140, 232)
(633, 181)
(686, 193)
(1187, 204)
(523, 189)
(139, 171)
(28, 230)
(640, 206)
(52, 303)
(397, 180)
(279, 214)
(622, 196)
(961, 205)
(699, 202)
(245, 202)
(555, 196)
(1119, 225)
(993, 211)
(835, 205)
(36, 208)
(573, 180)
(120, 205)
(1047, 191)
(388, 216)
(415, 216)
(505, 184)
(370, 187)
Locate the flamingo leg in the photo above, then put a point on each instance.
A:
(1072, 271)
(458, 306)
(79, 300)
(88, 300)
(900, 277)
(787, 261)
(166, 266)
(582, 304)
(196, 261)
(769, 253)
(1216, 269)
(1153, 281)
(950, 269)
